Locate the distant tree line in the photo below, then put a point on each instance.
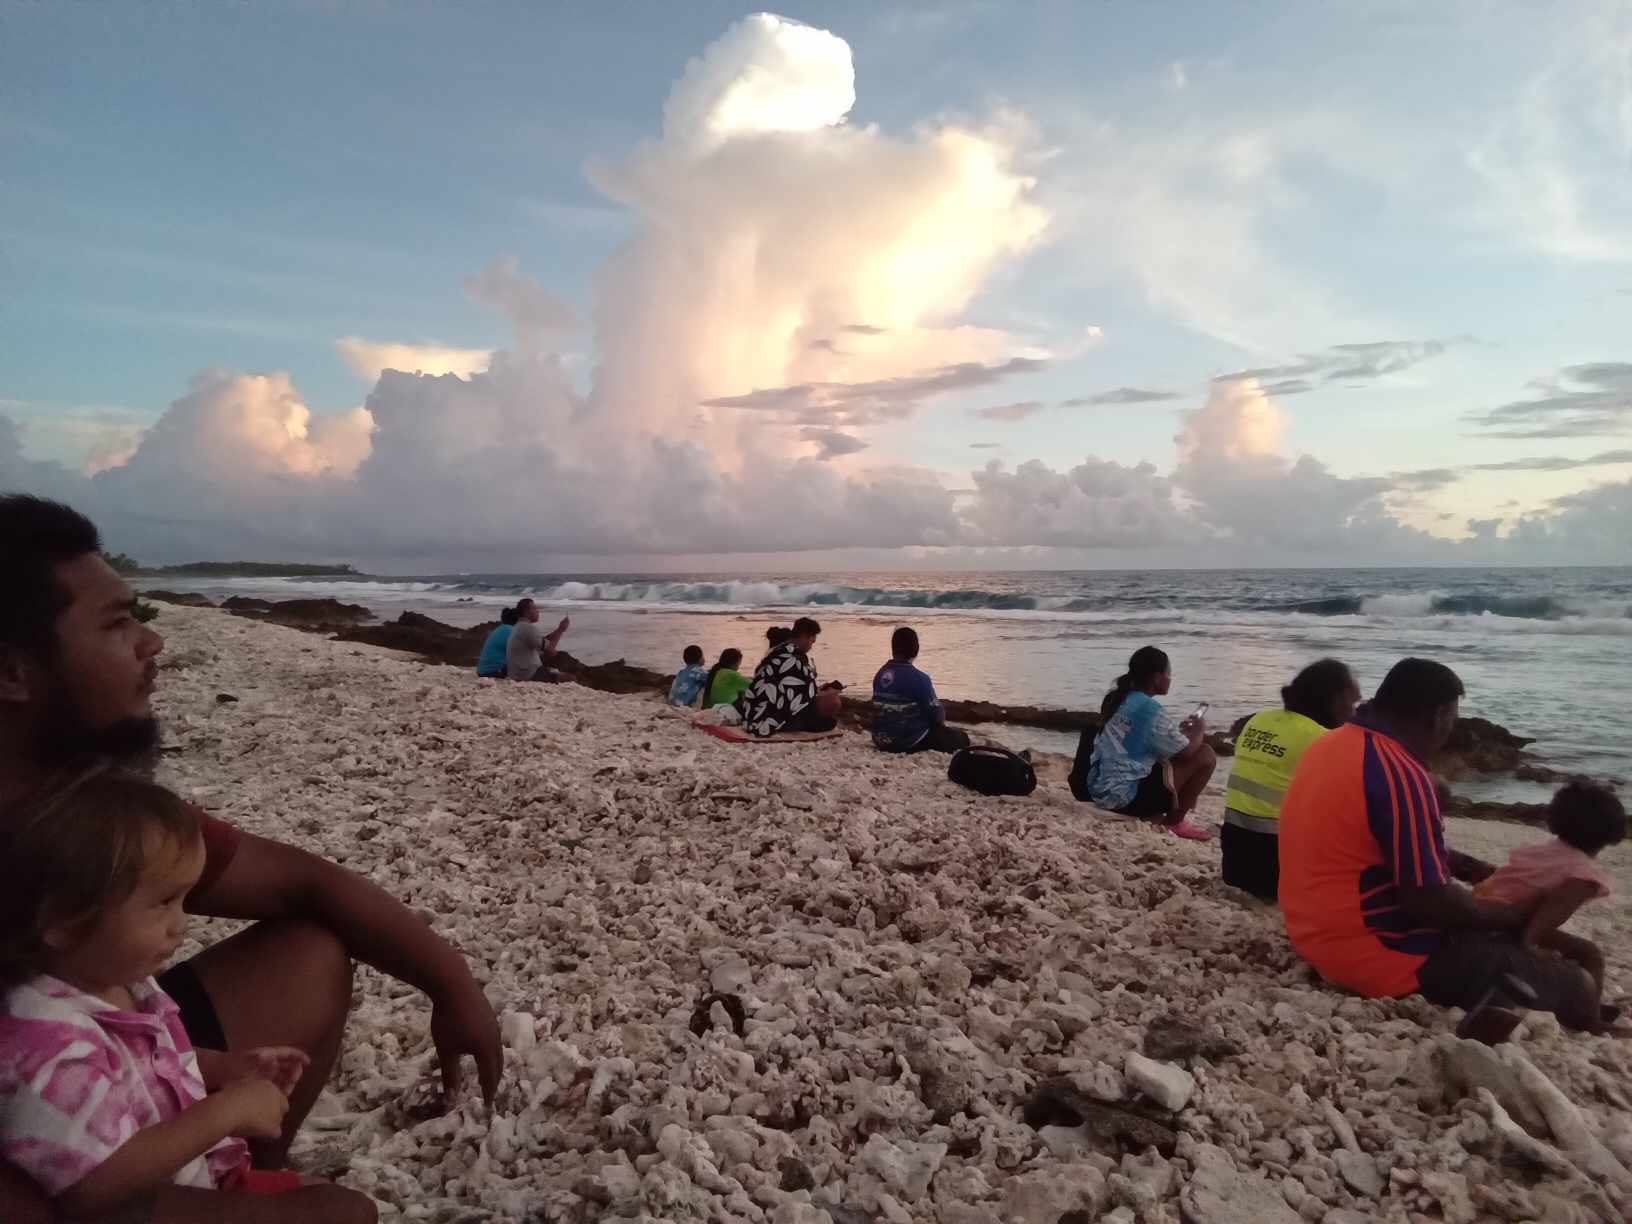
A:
(129, 566)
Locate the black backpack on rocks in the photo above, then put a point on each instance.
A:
(992, 771)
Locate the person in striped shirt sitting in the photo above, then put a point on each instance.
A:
(1369, 888)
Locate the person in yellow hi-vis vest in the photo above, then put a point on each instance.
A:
(1323, 696)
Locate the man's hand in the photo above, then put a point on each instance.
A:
(270, 880)
(1468, 869)
(1453, 908)
(462, 1022)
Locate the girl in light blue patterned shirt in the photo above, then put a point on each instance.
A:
(1145, 764)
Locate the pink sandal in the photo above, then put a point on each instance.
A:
(1190, 832)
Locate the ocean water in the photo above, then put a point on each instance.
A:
(1545, 652)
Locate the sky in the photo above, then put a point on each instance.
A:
(966, 285)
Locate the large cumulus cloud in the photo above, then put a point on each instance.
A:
(774, 243)
(780, 244)
(1232, 463)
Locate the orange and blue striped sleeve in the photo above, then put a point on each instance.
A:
(1402, 812)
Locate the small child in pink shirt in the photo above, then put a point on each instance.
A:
(102, 1097)
(1558, 877)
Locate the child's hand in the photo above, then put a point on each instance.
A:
(256, 1108)
(283, 1065)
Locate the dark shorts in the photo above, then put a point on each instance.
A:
(198, 1016)
(810, 719)
(1468, 965)
(1152, 801)
(942, 738)
(939, 738)
(1252, 861)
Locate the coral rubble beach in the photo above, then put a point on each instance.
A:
(927, 1005)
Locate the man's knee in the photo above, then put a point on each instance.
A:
(323, 960)
(322, 949)
(280, 982)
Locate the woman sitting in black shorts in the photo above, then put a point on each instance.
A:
(1144, 763)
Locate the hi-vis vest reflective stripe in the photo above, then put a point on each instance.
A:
(1266, 753)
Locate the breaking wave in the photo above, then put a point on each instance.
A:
(1067, 596)
(1430, 603)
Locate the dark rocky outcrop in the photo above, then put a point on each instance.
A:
(1478, 745)
(317, 614)
(436, 642)
(1049, 718)
(187, 599)
(618, 676)
(424, 636)
(1513, 813)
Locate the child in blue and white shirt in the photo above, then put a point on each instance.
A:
(688, 684)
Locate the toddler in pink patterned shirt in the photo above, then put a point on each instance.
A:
(1556, 878)
(102, 1099)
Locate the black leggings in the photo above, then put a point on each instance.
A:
(1252, 861)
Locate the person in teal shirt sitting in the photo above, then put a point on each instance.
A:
(490, 662)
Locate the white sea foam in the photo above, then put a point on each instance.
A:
(1427, 609)
(1416, 603)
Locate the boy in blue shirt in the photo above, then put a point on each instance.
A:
(907, 716)
(689, 681)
